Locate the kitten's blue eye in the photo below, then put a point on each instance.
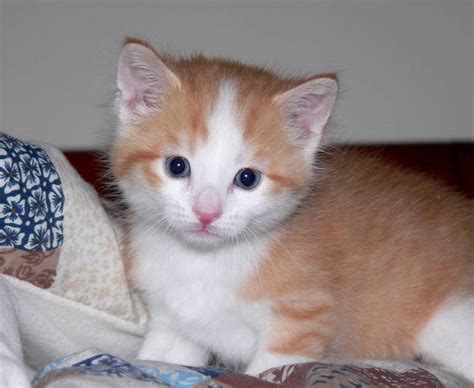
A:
(178, 167)
(247, 178)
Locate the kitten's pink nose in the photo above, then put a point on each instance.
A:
(207, 206)
(207, 218)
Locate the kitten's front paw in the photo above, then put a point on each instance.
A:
(13, 374)
(186, 357)
(172, 349)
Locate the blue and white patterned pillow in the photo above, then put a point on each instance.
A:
(31, 198)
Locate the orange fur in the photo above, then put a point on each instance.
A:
(383, 246)
(182, 118)
(372, 251)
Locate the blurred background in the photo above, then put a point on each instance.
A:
(406, 66)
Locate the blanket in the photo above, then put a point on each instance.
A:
(63, 287)
(96, 369)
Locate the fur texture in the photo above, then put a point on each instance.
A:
(331, 255)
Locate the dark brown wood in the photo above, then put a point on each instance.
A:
(450, 163)
(465, 167)
(92, 168)
(88, 164)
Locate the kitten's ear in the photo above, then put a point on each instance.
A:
(143, 80)
(306, 109)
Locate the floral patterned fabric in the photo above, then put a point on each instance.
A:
(98, 370)
(56, 234)
(37, 268)
(31, 198)
(31, 212)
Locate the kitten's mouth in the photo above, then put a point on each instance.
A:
(204, 231)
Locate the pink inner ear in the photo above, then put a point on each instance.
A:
(132, 86)
(137, 92)
(133, 102)
(310, 113)
(141, 83)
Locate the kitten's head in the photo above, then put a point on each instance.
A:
(211, 150)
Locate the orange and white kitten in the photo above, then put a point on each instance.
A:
(242, 247)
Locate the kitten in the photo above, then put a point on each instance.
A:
(248, 242)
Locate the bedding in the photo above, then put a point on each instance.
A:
(69, 316)
(100, 370)
(62, 283)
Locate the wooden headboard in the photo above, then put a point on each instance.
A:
(451, 163)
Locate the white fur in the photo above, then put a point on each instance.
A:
(448, 338)
(191, 282)
(191, 297)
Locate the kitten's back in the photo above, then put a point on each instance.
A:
(374, 249)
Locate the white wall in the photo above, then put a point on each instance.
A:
(406, 65)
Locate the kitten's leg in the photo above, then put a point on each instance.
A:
(298, 334)
(164, 344)
(448, 338)
(283, 347)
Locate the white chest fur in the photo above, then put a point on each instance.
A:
(198, 293)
